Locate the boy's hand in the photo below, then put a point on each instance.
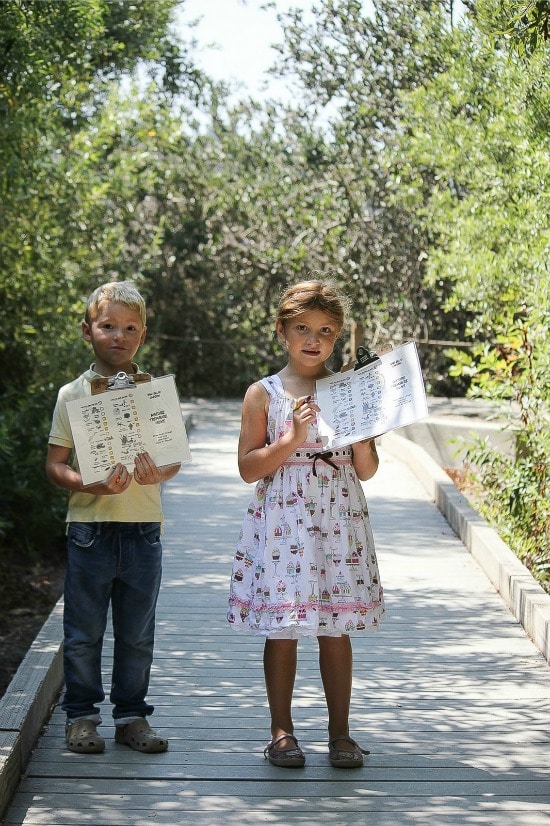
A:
(117, 482)
(146, 472)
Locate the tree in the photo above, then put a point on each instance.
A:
(355, 68)
(478, 144)
(524, 24)
(55, 59)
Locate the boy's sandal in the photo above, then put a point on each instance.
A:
(82, 737)
(345, 758)
(140, 736)
(288, 758)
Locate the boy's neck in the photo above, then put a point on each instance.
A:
(106, 372)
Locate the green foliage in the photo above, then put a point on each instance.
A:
(355, 68)
(479, 172)
(54, 61)
(525, 24)
(516, 500)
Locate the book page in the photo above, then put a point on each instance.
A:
(116, 425)
(362, 404)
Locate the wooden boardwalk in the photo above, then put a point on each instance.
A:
(450, 696)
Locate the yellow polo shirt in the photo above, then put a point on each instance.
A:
(138, 503)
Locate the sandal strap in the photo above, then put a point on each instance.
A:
(283, 737)
(291, 752)
(348, 739)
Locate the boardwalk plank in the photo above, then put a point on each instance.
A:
(451, 696)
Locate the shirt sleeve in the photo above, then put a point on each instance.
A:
(60, 431)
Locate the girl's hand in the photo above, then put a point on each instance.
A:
(303, 414)
(146, 472)
(365, 458)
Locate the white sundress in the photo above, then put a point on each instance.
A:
(305, 563)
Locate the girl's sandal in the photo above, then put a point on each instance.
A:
(345, 758)
(288, 758)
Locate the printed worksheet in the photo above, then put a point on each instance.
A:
(116, 425)
(361, 404)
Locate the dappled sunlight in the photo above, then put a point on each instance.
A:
(449, 695)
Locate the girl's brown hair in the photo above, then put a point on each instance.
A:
(313, 295)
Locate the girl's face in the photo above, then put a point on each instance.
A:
(309, 337)
(116, 334)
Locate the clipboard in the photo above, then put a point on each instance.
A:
(384, 393)
(118, 382)
(124, 416)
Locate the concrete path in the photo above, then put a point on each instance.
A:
(451, 696)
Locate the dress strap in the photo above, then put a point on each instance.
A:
(271, 385)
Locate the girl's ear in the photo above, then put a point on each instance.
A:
(280, 332)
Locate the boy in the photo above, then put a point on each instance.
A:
(114, 548)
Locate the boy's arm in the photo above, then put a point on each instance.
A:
(59, 471)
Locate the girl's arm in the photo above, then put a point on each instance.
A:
(256, 458)
(365, 459)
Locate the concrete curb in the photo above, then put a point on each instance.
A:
(526, 599)
(28, 701)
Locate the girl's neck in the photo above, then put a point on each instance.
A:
(299, 383)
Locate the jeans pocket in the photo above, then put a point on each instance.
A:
(150, 533)
(82, 534)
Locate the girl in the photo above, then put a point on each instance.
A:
(305, 563)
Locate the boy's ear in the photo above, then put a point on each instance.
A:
(143, 336)
(85, 327)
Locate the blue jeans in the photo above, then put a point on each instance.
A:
(117, 564)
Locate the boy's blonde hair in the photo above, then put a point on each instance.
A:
(120, 292)
(313, 295)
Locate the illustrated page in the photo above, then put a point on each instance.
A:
(361, 404)
(116, 425)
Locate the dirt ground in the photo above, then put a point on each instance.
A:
(28, 592)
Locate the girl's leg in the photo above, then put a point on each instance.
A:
(335, 662)
(280, 659)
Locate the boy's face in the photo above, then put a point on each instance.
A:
(116, 334)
